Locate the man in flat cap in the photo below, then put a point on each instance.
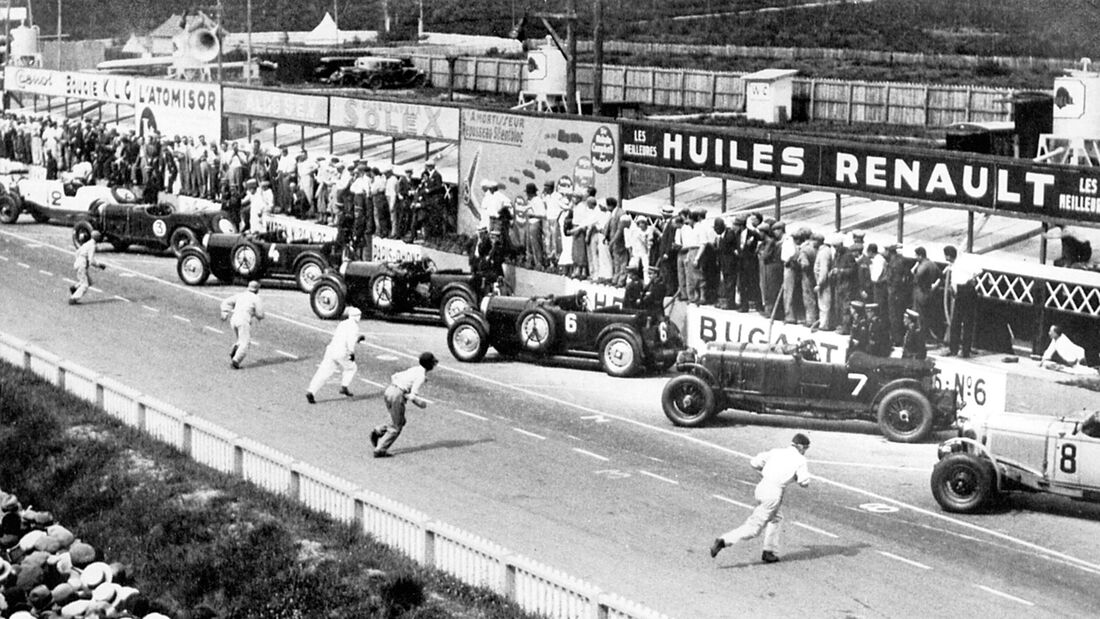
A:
(899, 290)
(404, 387)
(913, 345)
(240, 310)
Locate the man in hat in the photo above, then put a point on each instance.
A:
(533, 241)
(253, 208)
(379, 204)
(666, 249)
(845, 277)
(748, 276)
(925, 275)
(878, 332)
(772, 268)
(362, 210)
(899, 290)
(554, 201)
(433, 193)
(306, 170)
(728, 255)
(824, 264)
(778, 468)
(339, 355)
(404, 387)
(913, 344)
(962, 280)
(241, 309)
(807, 260)
(857, 322)
(85, 258)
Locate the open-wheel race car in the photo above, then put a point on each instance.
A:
(156, 226)
(269, 255)
(57, 201)
(1009, 451)
(626, 341)
(392, 288)
(898, 394)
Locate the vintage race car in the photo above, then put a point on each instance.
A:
(244, 257)
(375, 72)
(156, 226)
(897, 393)
(56, 201)
(392, 288)
(626, 342)
(1009, 451)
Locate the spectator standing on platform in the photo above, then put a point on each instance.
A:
(235, 167)
(307, 180)
(565, 223)
(771, 267)
(297, 201)
(825, 287)
(748, 277)
(807, 260)
(434, 193)
(392, 194)
(899, 290)
(926, 275)
(240, 309)
(404, 387)
(963, 280)
(378, 201)
(666, 250)
(85, 259)
(285, 167)
(725, 243)
(339, 355)
(362, 210)
(913, 345)
(555, 203)
(536, 224)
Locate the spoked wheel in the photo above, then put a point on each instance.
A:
(962, 483)
(467, 340)
(905, 416)
(327, 301)
(688, 401)
(620, 355)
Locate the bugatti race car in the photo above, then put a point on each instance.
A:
(1010, 451)
(899, 394)
(391, 288)
(54, 200)
(626, 341)
(269, 255)
(156, 226)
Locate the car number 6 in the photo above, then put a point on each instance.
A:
(861, 380)
(662, 331)
(570, 323)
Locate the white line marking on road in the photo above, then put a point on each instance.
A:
(209, 328)
(590, 454)
(745, 483)
(182, 319)
(531, 434)
(153, 309)
(658, 477)
(286, 354)
(669, 432)
(24, 265)
(67, 280)
(123, 298)
(46, 273)
(596, 418)
(903, 560)
(386, 358)
(729, 500)
(863, 465)
(815, 530)
(655, 459)
(33, 245)
(256, 343)
(575, 438)
(126, 275)
(95, 289)
(469, 414)
(1005, 595)
(502, 417)
(4, 258)
(371, 382)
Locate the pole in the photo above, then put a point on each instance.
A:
(571, 66)
(217, 33)
(336, 19)
(597, 42)
(7, 36)
(248, 48)
(58, 35)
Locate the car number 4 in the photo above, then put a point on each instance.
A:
(861, 380)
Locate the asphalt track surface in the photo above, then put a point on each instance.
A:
(566, 465)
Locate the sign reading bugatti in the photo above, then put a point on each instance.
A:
(707, 324)
(516, 149)
(178, 108)
(299, 108)
(408, 120)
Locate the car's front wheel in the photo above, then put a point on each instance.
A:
(467, 340)
(309, 273)
(963, 483)
(327, 301)
(82, 232)
(181, 237)
(620, 355)
(452, 305)
(193, 268)
(382, 291)
(905, 416)
(688, 401)
(9, 210)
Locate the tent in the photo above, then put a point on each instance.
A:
(326, 32)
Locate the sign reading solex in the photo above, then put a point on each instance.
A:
(947, 177)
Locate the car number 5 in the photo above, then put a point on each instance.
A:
(570, 323)
(861, 381)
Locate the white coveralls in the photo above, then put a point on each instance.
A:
(85, 258)
(241, 308)
(778, 468)
(338, 355)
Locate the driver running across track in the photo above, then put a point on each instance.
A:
(340, 355)
(240, 309)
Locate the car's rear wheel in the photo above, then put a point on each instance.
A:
(309, 273)
(246, 260)
(905, 416)
(536, 330)
(120, 246)
(620, 355)
(40, 217)
(963, 483)
(9, 210)
(82, 232)
(467, 340)
(327, 301)
(688, 401)
(381, 292)
(193, 268)
(374, 82)
(453, 304)
(180, 238)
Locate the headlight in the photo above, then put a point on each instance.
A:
(344, 267)
(206, 240)
(944, 450)
(484, 305)
(685, 356)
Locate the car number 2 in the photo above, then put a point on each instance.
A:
(861, 381)
(570, 323)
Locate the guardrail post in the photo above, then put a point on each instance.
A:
(60, 377)
(428, 557)
(187, 432)
(508, 578)
(140, 414)
(99, 399)
(294, 487)
(238, 460)
(26, 359)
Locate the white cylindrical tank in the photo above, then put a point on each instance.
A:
(1077, 105)
(545, 70)
(24, 41)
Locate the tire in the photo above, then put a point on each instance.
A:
(454, 302)
(381, 292)
(963, 483)
(621, 355)
(308, 274)
(688, 401)
(905, 416)
(181, 237)
(467, 340)
(40, 217)
(327, 301)
(9, 210)
(93, 207)
(82, 231)
(120, 246)
(245, 260)
(536, 330)
(193, 268)
(374, 82)
(224, 225)
(419, 80)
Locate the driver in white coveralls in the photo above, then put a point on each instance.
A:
(340, 355)
(778, 468)
(240, 309)
(85, 258)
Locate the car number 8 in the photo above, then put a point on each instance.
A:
(1068, 460)
(570, 323)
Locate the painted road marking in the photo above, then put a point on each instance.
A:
(181, 318)
(24, 265)
(469, 414)
(655, 459)
(286, 354)
(70, 281)
(596, 418)
(531, 434)
(815, 530)
(96, 289)
(208, 328)
(151, 309)
(1005, 595)
(371, 382)
(659, 478)
(126, 275)
(386, 358)
(729, 500)
(123, 298)
(863, 465)
(4, 258)
(682, 435)
(46, 273)
(33, 245)
(746, 483)
(903, 559)
(591, 455)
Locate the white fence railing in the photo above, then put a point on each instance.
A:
(533, 586)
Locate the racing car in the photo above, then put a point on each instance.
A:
(899, 394)
(156, 226)
(268, 255)
(1010, 451)
(57, 201)
(391, 288)
(627, 342)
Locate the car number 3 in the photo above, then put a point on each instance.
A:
(570, 323)
(861, 380)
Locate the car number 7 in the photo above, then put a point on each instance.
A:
(861, 381)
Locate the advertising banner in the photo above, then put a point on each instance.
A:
(89, 86)
(173, 107)
(707, 324)
(516, 149)
(288, 106)
(405, 120)
(981, 390)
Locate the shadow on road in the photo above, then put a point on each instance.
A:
(99, 301)
(269, 361)
(731, 419)
(441, 445)
(808, 552)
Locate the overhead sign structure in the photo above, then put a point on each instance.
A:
(277, 105)
(403, 120)
(172, 107)
(104, 87)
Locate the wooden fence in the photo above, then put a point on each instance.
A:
(843, 101)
